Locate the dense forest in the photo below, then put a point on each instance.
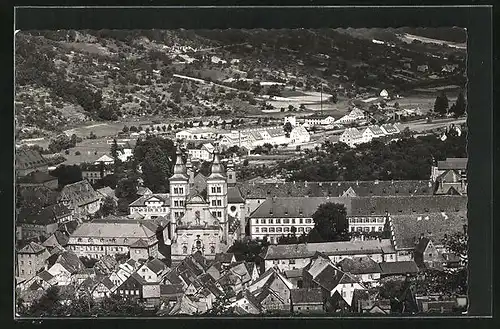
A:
(406, 159)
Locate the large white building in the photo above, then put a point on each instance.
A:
(195, 134)
(204, 152)
(251, 138)
(354, 136)
(351, 117)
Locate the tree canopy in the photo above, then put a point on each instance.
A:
(156, 157)
(330, 221)
(441, 104)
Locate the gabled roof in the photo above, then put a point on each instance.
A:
(224, 257)
(70, 261)
(234, 195)
(399, 268)
(141, 202)
(32, 248)
(156, 265)
(45, 276)
(329, 278)
(139, 243)
(359, 265)
(256, 190)
(45, 216)
(407, 229)
(29, 158)
(303, 296)
(327, 248)
(171, 289)
(453, 163)
(353, 133)
(79, 193)
(117, 227)
(293, 207)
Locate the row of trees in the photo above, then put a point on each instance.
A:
(441, 105)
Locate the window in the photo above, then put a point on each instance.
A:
(212, 249)
(256, 221)
(279, 229)
(176, 190)
(343, 294)
(301, 229)
(286, 221)
(219, 214)
(286, 229)
(213, 203)
(264, 230)
(271, 221)
(214, 213)
(263, 221)
(308, 229)
(256, 230)
(143, 270)
(219, 189)
(301, 221)
(22, 262)
(367, 229)
(278, 220)
(291, 261)
(213, 189)
(176, 203)
(219, 202)
(184, 249)
(293, 220)
(430, 255)
(181, 203)
(308, 220)
(233, 208)
(181, 190)
(271, 230)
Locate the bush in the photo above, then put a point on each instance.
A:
(77, 153)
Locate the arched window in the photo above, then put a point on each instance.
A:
(198, 244)
(212, 249)
(184, 249)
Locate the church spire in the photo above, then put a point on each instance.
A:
(180, 170)
(217, 168)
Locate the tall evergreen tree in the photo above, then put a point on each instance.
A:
(460, 105)
(441, 104)
(330, 221)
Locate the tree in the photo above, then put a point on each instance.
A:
(288, 129)
(125, 129)
(441, 104)
(108, 207)
(67, 174)
(330, 221)
(460, 106)
(156, 156)
(133, 129)
(334, 98)
(74, 140)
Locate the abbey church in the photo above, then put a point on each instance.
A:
(206, 213)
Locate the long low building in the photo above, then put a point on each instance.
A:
(114, 235)
(297, 256)
(278, 216)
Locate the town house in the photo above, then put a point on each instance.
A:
(81, 199)
(30, 260)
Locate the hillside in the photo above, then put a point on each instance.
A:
(64, 78)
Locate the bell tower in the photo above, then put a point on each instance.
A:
(217, 194)
(179, 191)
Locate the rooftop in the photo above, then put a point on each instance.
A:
(398, 268)
(109, 228)
(301, 296)
(359, 265)
(308, 250)
(408, 228)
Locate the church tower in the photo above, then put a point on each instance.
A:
(179, 191)
(217, 194)
(231, 173)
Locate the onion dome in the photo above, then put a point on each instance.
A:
(218, 170)
(180, 171)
